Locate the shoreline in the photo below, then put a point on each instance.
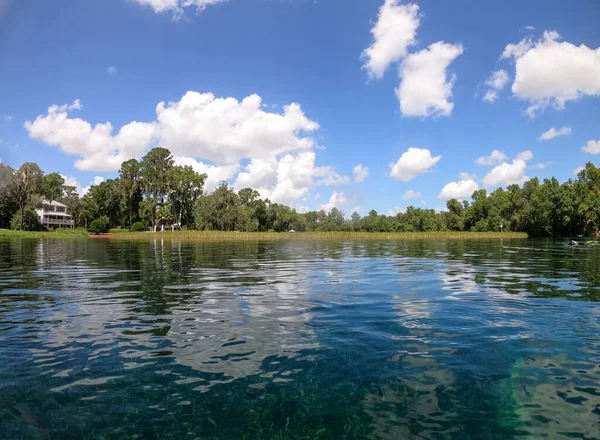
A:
(308, 236)
(216, 236)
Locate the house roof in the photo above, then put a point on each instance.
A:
(53, 203)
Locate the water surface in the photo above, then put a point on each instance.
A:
(299, 340)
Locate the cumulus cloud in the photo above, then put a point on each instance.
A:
(495, 84)
(507, 174)
(337, 200)
(288, 178)
(425, 88)
(213, 135)
(413, 162)
(410, 194)
(550, 72)
(360, 173)
(592, 147)
(112, 70)
(355, 209)
(214, 174)
(552, 133)
(494, 158)
(461, 190)
(578, 170)
(72, 181)
(542, 165)
(393, 33)
(177, 7)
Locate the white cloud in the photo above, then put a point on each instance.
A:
(221, 130)
(337, 200)
(177, 7)
(542, 165)
(466, 176)
(287, 179)
(355, 209)
(410, 194)
(392, 212)
(393, 34)
(507, 174)
(214, 174)
(530, 28)
(423, 203)
(112, 70)
(413, 162)
(360, 173)
(98, 180)
(461, 190)
(496, 83)
(577, 170)
(72, 181)
(425, 89)
(552, 133)
(8, 118)
(525, 155)
(592, 147)
(550, 73)
(495, 157)
(213, 135)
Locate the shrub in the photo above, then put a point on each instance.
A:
(31, 221)
(138, 227)
(98, 226)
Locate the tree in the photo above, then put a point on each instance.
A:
(8, 204)
(219, 210)
(154, 171)
(129, 180)
(28, 221)
(26, 184)
(53, 186)
(98, 226)
(355, 221)
(186, 186)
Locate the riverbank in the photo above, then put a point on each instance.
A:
(318, 236)
(60, 233)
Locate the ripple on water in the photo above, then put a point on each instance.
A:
(420, 339)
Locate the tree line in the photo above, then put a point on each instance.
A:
(157, 192)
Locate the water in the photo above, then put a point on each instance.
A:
(299, 340)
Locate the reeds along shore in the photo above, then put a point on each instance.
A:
(323, 236)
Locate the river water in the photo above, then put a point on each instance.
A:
(442, 339)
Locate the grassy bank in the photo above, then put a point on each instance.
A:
(322, 236)
(60, 233)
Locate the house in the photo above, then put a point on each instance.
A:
(54, 215)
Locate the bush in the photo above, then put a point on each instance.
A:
(98, 226)
(138, 227)
(31, 221)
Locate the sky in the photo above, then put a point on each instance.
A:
(358, 104)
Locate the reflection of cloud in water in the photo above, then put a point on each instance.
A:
(230, 327)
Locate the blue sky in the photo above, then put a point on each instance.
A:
(265, 55)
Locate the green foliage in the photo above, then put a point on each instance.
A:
(98, 226)
(138, 227)
(29, 221)
(157, 192)
(53, 186)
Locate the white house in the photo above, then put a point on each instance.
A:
(54, 215)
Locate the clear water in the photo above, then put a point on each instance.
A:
(299, 340)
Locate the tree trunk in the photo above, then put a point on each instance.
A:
(154, 217)
(22, 214)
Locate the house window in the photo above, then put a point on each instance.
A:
(60, 209)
